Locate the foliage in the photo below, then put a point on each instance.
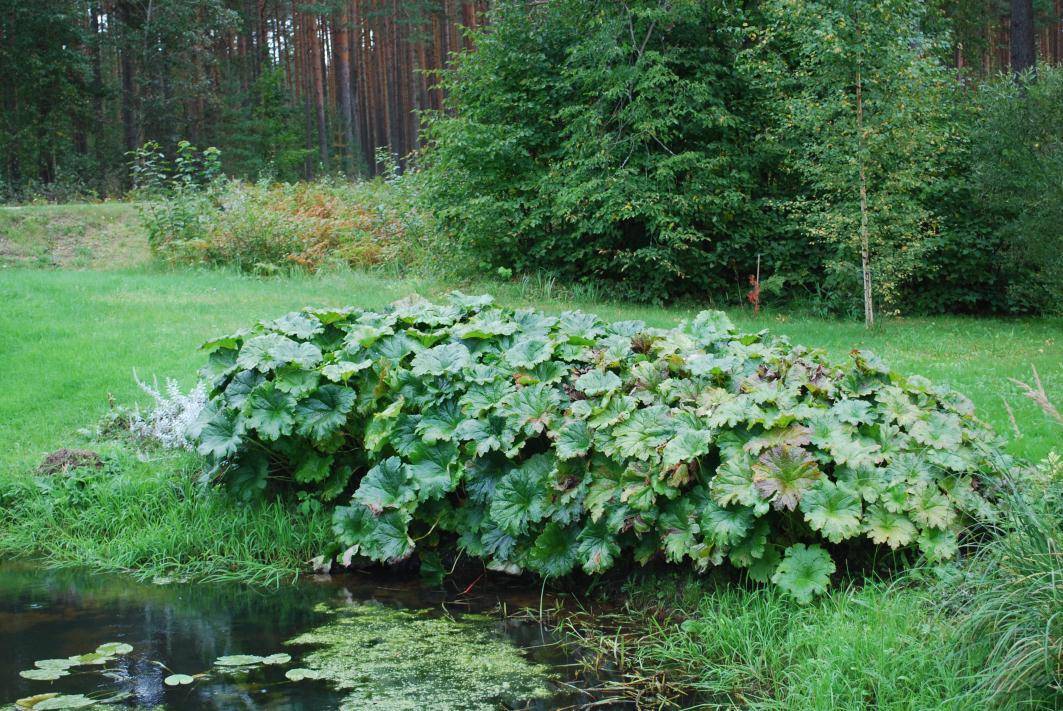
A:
(266, 228)
(171, 415)
(610, 142)
(1018, 171)
(863, 98)
(554, 443)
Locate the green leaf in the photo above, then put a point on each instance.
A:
(91, 659)
(487, 325)
(521, 496)
(430, 471)
(301, 674)
(531, 408)
(440, 422)
(640, 435)
(110, 648)
(270, 412)
(598, 382)
(352, 524)
(238, 660)
(832, 510)
(385, 486)
(268, 352)
(940, 430)
(314, 468)
(573, 439)
(389, 540)
(929, 508)
(383, 424)
(938, 545)
(488, 435)
(598, 547)
(341, 371)
(178, 680)
(678, 523)
(485, 397)
(554, 552)
(852, 412)
(43, 674)
(277, 659)
(804, 571)
(893, 529)
(65, 701)
(298, 325)
(686, 446)
(324, 412)
(446, 359)
(222, 434)
(725, 525)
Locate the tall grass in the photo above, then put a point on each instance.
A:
(1010, 597)
(153, 519)
(873, 646)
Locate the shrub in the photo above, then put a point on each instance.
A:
(610, 142)
(266, 227)
(550, 443)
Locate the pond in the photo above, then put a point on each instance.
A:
(353, 642)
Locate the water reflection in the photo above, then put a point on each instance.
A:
(180, 628)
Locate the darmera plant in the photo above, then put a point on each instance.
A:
(555, 443)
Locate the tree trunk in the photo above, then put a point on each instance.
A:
(1023, 49)
(343, 80)
(319, 88)
(865, 240)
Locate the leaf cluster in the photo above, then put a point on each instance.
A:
(555, 443)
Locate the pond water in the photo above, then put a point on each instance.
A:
(388, 644)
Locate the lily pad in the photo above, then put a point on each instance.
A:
(178, 680)
(90, 658)
(31, 701)
(43, 674)
(53, 663)
(300, 674)
(114, 648)
(281, 658)
(65, 701)
(238, 660)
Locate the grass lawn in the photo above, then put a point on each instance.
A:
(71, 339)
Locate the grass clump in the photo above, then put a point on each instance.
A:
(1009, 599)
(148, 515)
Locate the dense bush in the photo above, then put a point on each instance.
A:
(265, 227)
(1017, 153)
(611, 142)
(553, 443)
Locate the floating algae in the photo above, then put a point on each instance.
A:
(410, 659)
